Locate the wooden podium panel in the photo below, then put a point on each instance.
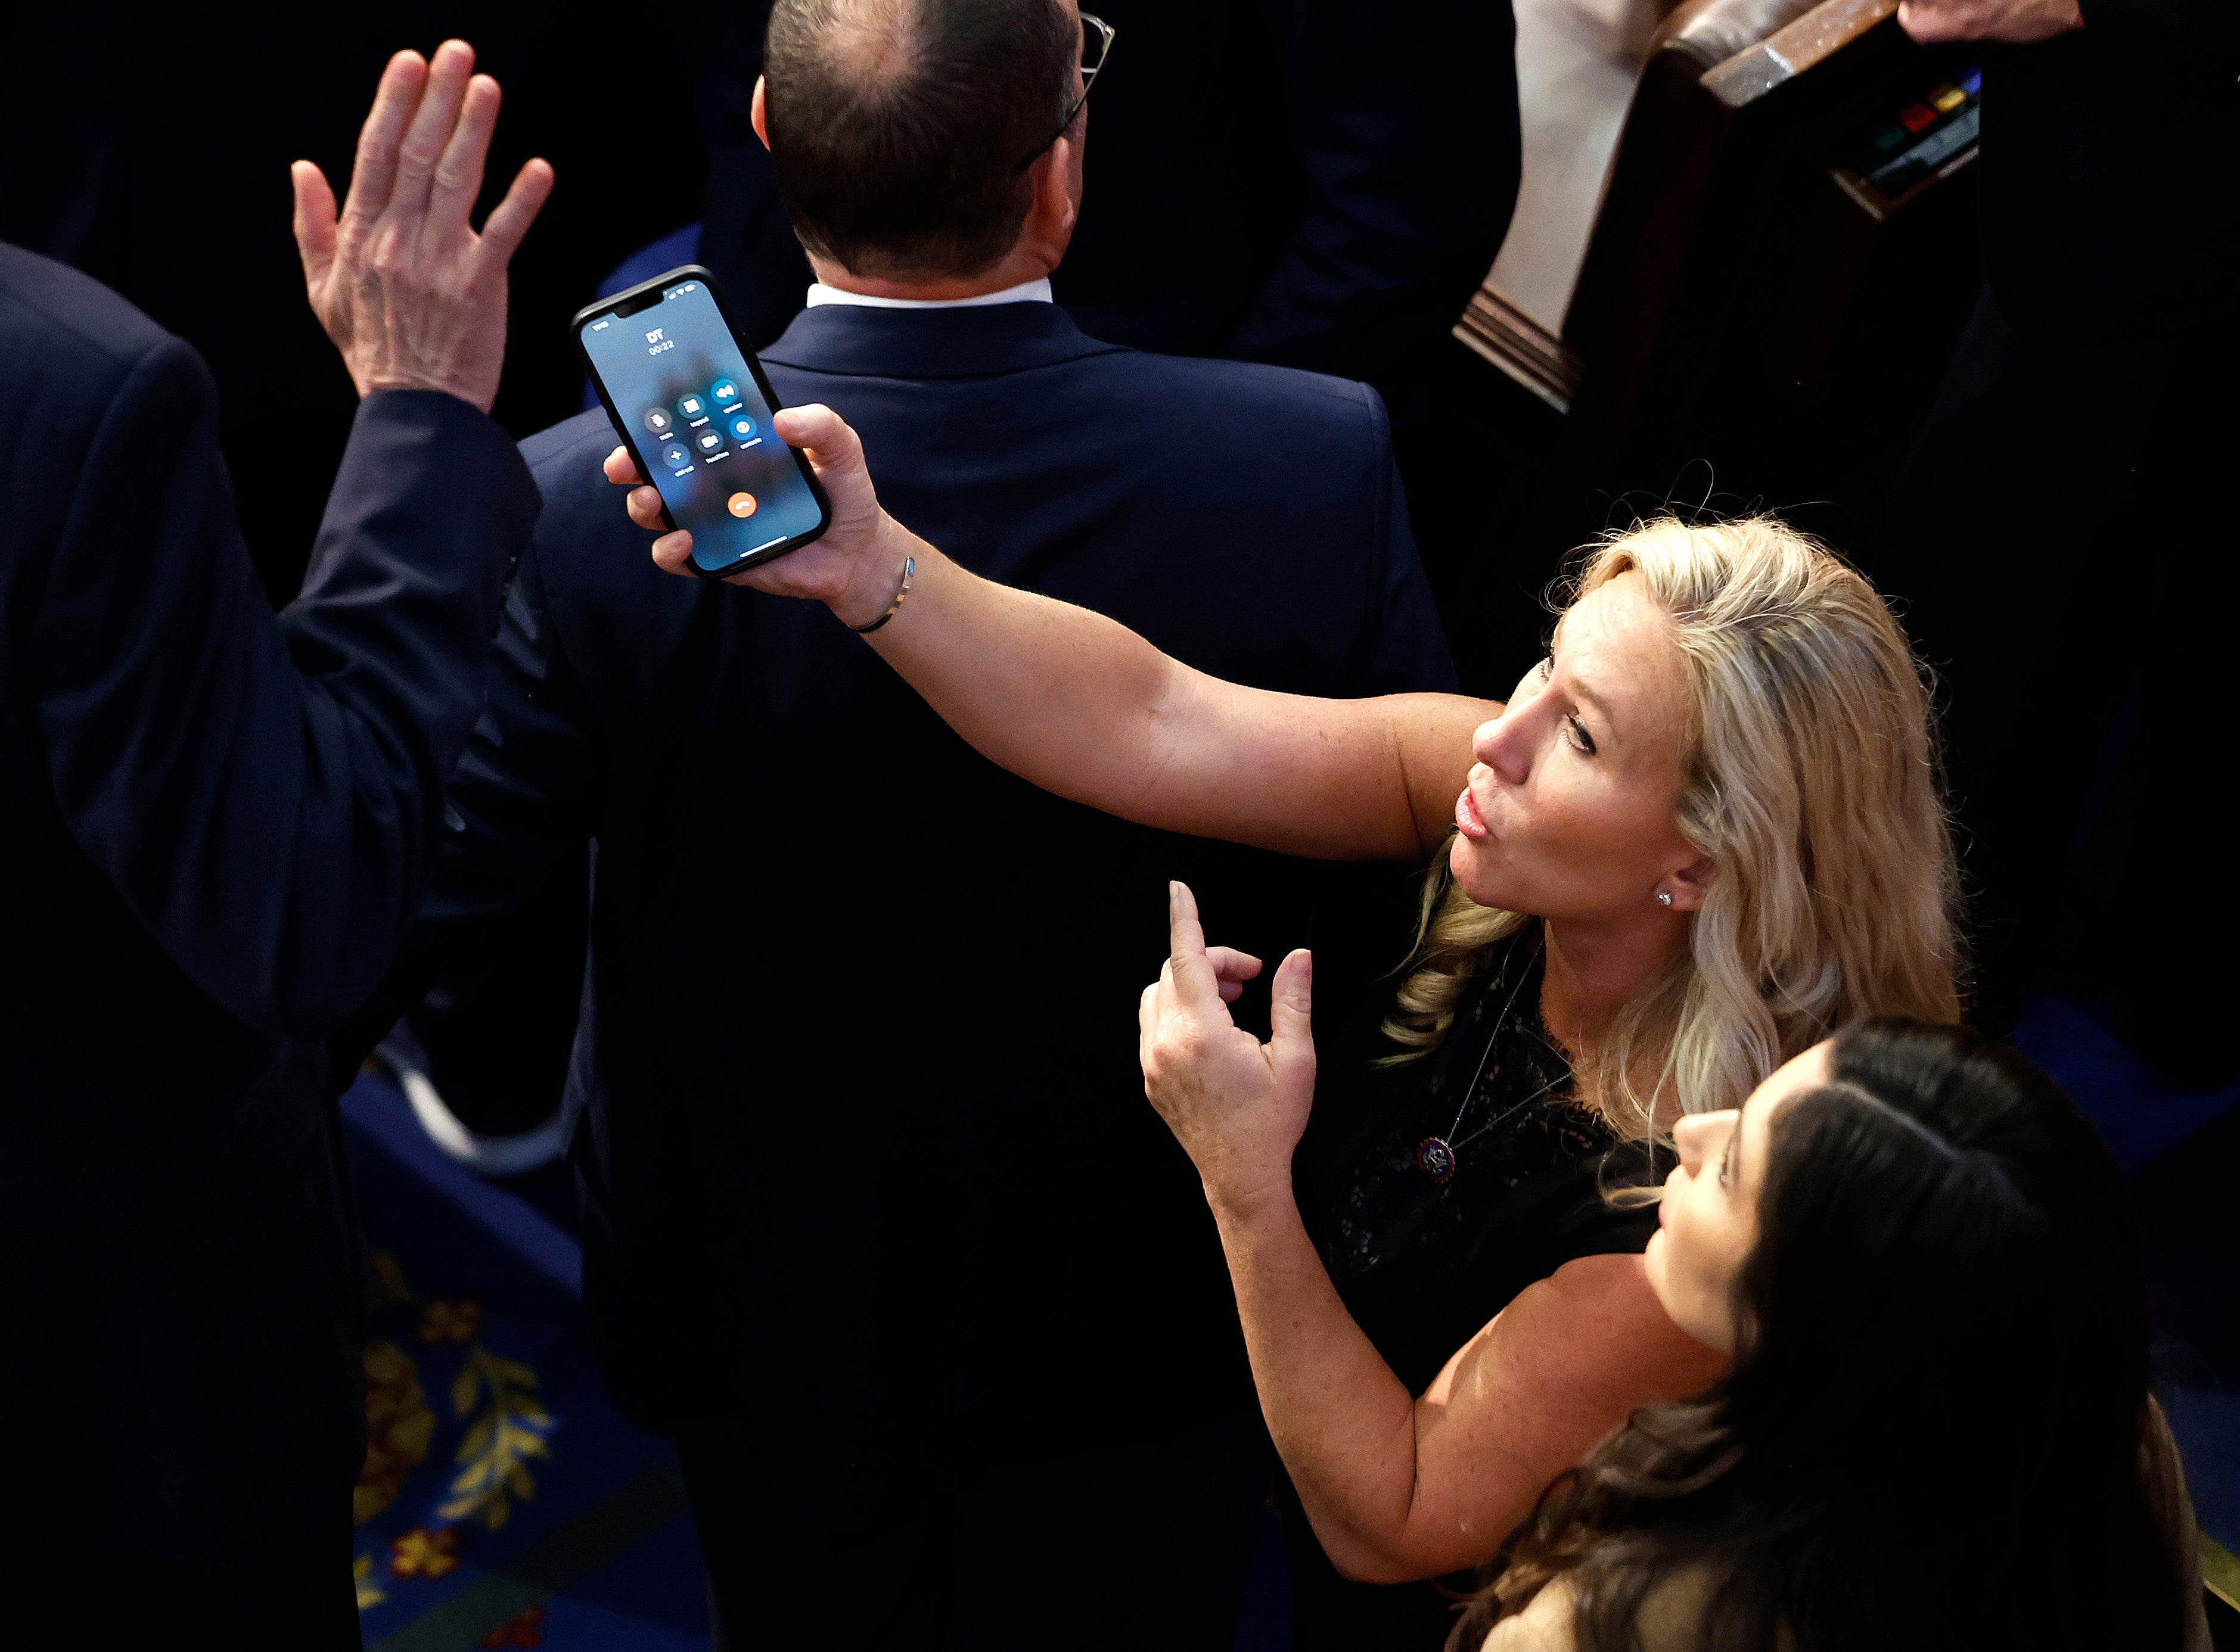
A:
(1757, 265)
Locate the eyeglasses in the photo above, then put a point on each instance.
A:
(1096, 46)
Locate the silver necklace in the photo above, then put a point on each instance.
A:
(1436, 1154)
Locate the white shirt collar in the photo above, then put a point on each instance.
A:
(1027, 292)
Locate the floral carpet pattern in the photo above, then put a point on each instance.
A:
(505, 1501)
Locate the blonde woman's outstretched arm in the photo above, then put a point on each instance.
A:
(1083, 707)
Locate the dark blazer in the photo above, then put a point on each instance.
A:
(866, 1139)
(1320, 184)
(2107, 239)
(215, 825)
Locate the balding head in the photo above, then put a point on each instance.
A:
(870, 45)
(899, 127)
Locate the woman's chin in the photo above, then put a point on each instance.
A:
(1468, 860)
(1652, 1261)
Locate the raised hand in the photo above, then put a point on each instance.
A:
(1236, 1105)
(412, 295)
(853, 568)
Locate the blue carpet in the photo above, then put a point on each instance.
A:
(2140, 1117)
(2175, 1146)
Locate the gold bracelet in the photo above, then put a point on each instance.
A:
(910, 567)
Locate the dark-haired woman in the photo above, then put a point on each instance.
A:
(1936, 1432)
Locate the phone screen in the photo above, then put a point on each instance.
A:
(681, 383)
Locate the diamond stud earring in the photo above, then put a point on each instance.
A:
(1665, 898)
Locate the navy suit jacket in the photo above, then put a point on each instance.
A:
(2098, 243)
(217, 824)
(866, 1152)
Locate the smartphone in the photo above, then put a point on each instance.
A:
(692, 405)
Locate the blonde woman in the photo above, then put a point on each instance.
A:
(1704, 832)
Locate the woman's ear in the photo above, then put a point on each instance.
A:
(1691, 882)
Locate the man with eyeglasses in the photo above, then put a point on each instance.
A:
(937, 1317)
(1319, 183)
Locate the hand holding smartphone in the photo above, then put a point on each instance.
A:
(692, 403)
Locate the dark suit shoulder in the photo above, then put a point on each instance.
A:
(1282, 439)
(583, 509)
(76, 361)
(64, 336)
(554, 453)
(586, 549)
(1283, 402)
(1281, 391)
(1240, 429)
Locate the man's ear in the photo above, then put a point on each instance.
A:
(1691, 882)
(761, 123)
(1054, 201)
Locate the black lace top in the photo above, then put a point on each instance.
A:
(1438, 1190)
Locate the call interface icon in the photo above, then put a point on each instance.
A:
(657, 420)
(742, 427)
(676, 456)
(724, 391)
(692, 407)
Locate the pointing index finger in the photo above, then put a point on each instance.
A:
(1195, 984)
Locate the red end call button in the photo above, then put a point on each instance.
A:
(741, 504)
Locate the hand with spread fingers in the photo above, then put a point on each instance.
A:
(850, 569)
(1238, 1106)
(413, 297)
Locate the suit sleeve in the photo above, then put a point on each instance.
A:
(1403, 122)
(522, 801)
(265, 791)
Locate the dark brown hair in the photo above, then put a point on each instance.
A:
(898, 126)
(1937, 1432)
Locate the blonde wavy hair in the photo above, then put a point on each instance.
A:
(1809, 779)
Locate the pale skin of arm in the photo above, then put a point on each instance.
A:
(1398, 1487)
(1082, 707)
